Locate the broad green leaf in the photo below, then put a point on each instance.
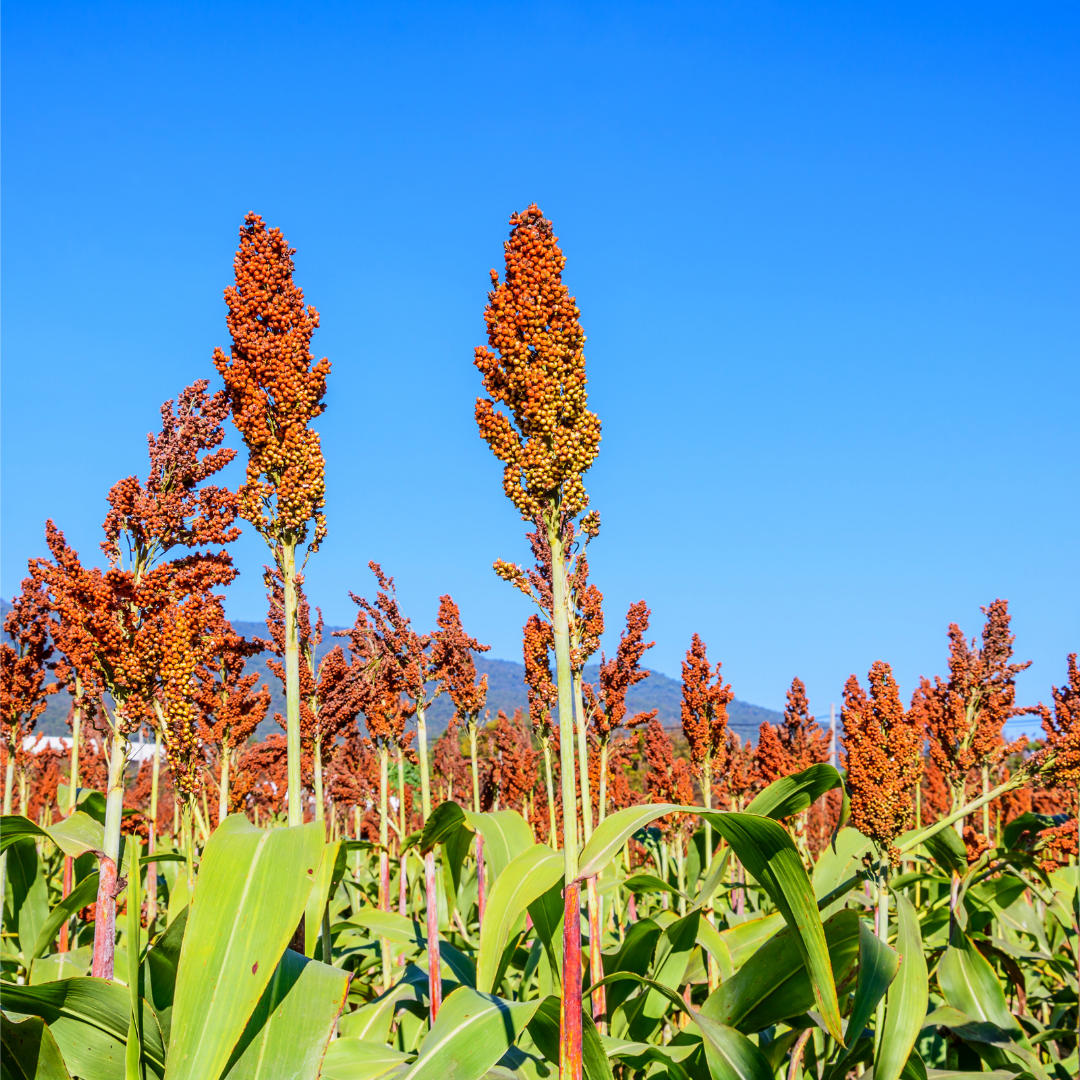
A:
(948, 851)
(445, 820)
(83, 894)
(639, 883)
(544, 1031)
(524, 880)
(906, 1000)
(355, 1059)
(546, 913)
(331, 867)
(472, 1031)
(878, 965)
(730, 1054)
(609, 836)
(745, 938)
(673, 950)
(839, 861)
(710, 940)
(389, 925)
(292, 1023)
(506, 835)
(991, 1042)
(771, 986)
(371, 1022)
(770, 856)
(89, 1021)
(634, 955)
(793, 794)
(159, 971)
(28, 1051)
(74, 836)
(29, 894)
(62, 965)
(252, 887)
(970, 986)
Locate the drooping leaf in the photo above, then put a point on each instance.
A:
(472, 1031)
(547, 912)
(793, 794)
(28, 1051)
(444, 821)
(771, 986)
(89, 1021)
(991, 1042)
(634, 955)
(160, 964)
(673, 950)
(289, 1030)
(770, 856)
(948, 851)
(252, 887)
(745, 938)
(839, 862)
(609, 836)
(544, 1030)
(74, 836)
(524, 880)
(83, 894)
(29, 894)
(329, 875)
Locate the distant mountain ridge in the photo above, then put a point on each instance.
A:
(506, 691)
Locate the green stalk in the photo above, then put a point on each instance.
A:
(471, 728)
(553, 827)
(883, 934)
(922, 835)
(680, 872)
(223, 786)
(76, 732)
(133, 1054)
(384, 854)
(9, 783)
(986, 805)
(602, 809)
(319, 812)
(570, 1043)
(706, 796)
(151, 870)
(287, 555)
(583, 757)
(422, 751)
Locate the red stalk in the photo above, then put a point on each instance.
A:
(434, 962)
(384, 881)
(105, 920)
(570, 1056)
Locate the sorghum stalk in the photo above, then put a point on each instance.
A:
(570, 1049)
(320, 814)
(384, 855)
(287, 557)
(151, 870)
(432, 899)
(223, 786)
(553, 827)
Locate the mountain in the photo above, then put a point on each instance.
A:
(506, 691)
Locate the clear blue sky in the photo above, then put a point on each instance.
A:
(826, 256)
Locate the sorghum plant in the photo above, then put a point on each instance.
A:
(704, 720)
(230, 706)
(543, 697)
(275, 391)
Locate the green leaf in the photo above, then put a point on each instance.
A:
(970, 986)
(673, 950)
(74, 836)
(84, 893)
(878, 965)
(29, 894)
(906, 1001)
(387, 924)
(445, 820)
(839, 862)
(506, 835)
(252, 887)
(89, 1021)
(546, 913)
(331, 870)
(709, 939)
(793, 794)
(639, 883)
(524, 880)
(355, 1059)
(770, 987)
(292, 1023)
(28, 1051)
(745, 938)
(770, 856)
(544, 1030)
(991, 1042)
(159, 971)
(634, 955)
(609, 836)
(948, 851)
(472, 1031)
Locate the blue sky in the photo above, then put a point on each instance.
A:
(825, 256)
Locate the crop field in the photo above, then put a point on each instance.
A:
(574, 890)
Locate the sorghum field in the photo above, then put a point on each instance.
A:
(554, 893)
